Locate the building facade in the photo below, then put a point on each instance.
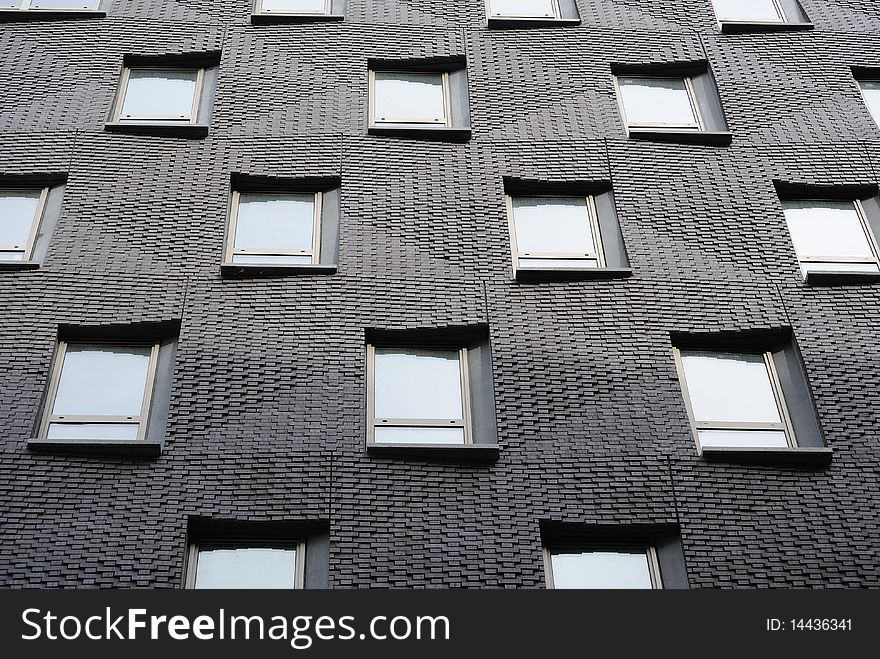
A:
(689, 154)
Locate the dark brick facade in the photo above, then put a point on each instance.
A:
(267, 414)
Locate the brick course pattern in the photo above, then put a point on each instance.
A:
(267, 414)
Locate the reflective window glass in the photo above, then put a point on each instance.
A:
(409, 97)
(657, 102)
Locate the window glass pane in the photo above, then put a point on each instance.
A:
(418, 384)
(553, 225)
(409, 97)
(159, 94)
(270, 222)
(747, 10)
(270, 259)
(730, 387)
(523, 8)
(63, 4)
(742, 438)
(601, 569)
(401, 435)
(571, 264)
(871, 90)
(93, 431)
(827, 228)
(657, 101)
(246, 568)
(102, 380)
(11, 256)
(294, 6)
(18, 210)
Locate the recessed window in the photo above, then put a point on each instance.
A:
(418, 396)
(832, 236)
(555, 232)
(659, 102)
(735, 400)
(749, 11)
(54, 5)
(100, 391)
(624, 568)
(871, 94)
(524, 9)
(404, 97)
(275, 229)
(293, 7)
(20, 215)
(159, 95)
(246, 566)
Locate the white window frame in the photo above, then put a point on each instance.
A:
(806, 259)
(699, 127)
(376, 122)
(593, 214)
(557, 13)
(156, 119)
(696, 426)
(27, 249)
(26, 5)
(258, 9)
(373, 422)
(141, 419)
(192, 561)
(780, 11)
(859, 82)
(649, 550)
(314, 253)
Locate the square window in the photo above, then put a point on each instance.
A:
(832, 236)
(555, 232)
(20, 215)
(293, 7)
(160, 95)
(659, 102)
(749, 11)
(734, 400)
(402, 97)
(619, 568)
(246, 566)
(100, 391)
(275, 229)
(523, 9)
(871, 94)
(418, 396)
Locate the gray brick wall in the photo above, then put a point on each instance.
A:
(267, 413)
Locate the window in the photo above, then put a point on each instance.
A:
(158, 94)
(610, 568)
(871, 93)
(734, 399)
(293, 7)
(832, 236)
(100, 391)
(20, 215)
(659, 102)
(524, 9)
(418, 396)
(749, 11)
(53, 5)
(555, 232)
(402, 97)
(279, 229)
(258, 565)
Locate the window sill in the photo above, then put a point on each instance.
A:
(134, 447)
(188, 131)
(570, 274)
(798, 457)
(19, 265)
(427, 132)
(282, 19)
(248, 270)
(841, 278)
(740, 27)
(498, 23)
(711, 138)
(16, 15)
(455, 452)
